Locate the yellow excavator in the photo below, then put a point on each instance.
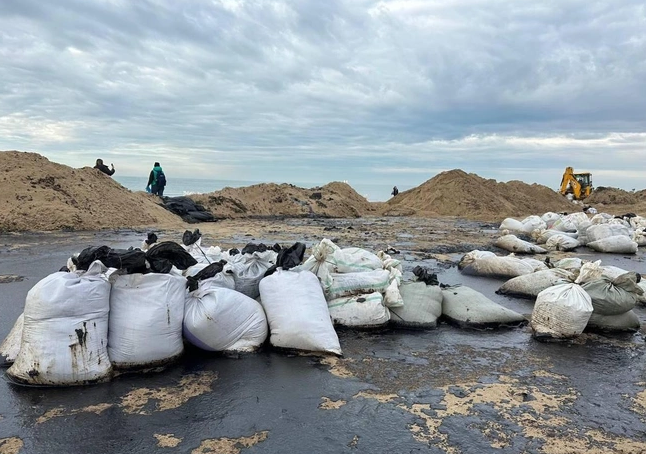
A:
(577, 184)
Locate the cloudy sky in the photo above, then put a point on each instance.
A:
(316, 91)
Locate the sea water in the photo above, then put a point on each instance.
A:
(373, 192)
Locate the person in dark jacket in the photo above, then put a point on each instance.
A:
(103, 168)
(154, 185)
(395, 191)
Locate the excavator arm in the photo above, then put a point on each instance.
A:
(579, 185)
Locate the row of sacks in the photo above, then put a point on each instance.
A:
(552, 231)
(612, 293)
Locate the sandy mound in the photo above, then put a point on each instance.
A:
(612, 196)
(268, 199)
(36, 194)
(457, 193)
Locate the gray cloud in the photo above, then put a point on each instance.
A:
(333, 90)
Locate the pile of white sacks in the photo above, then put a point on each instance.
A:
(569, 297)
(551, 231)
(79, 325)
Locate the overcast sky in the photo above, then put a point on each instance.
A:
(323, 90)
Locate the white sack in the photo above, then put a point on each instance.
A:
(512, 225)
(618, 244)
(531, 223)
(626, 322)
(530, 285)
(146, 313)
(550, 218)
(249, 269)
(561, 311)
(10, 347)
(422, 306)
(223, 320)
(360, 311)
(561, 243)
(614, 296)
(297, 312)
(639, 237)
(541, 236)
(512, 243)
(65, 332)
(469, 308)
(348, 284)
(601, 218)
(601, 231)
(476, 263)
(569, 263)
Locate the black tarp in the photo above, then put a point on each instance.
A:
(189, 210)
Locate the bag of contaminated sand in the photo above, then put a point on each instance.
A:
(422, 306)
(541, 236)
(582, 232)
(348, 284)
(612, 272)
(550, 218)
(614, 296)
(602, 231)
(297, 312)
(563, 311)
(601, 218)
(512, 243)
(569, 263)
(639, 237)
(531, 223)
(223, 320)
(618, 244)
(360, 311)
(530, 285)
(146, 314)
(468, 308)
(488, 264)
(626, 322)
(561, 243)
(511, 225)
(10, 347)
(249, 269)
(328, 258)
(65, 331)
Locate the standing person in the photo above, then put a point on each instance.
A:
(156, 181)
(395, 191)
(103, 168)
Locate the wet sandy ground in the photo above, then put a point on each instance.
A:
(444, 390)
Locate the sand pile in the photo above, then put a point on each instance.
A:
(36, 194)
(612, 196)
(457, 193)
(268, 199)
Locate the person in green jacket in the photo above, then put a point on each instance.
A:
(156, 180)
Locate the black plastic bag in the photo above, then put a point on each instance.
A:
(162, 256)
(151, 239)
(206, 273)
(191, 238)
(131, 261)
(288, 258)
(424, 275)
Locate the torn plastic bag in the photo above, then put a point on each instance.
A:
(163, 256)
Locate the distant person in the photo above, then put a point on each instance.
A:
(395, 191)
(156, 181)
(103, 168)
